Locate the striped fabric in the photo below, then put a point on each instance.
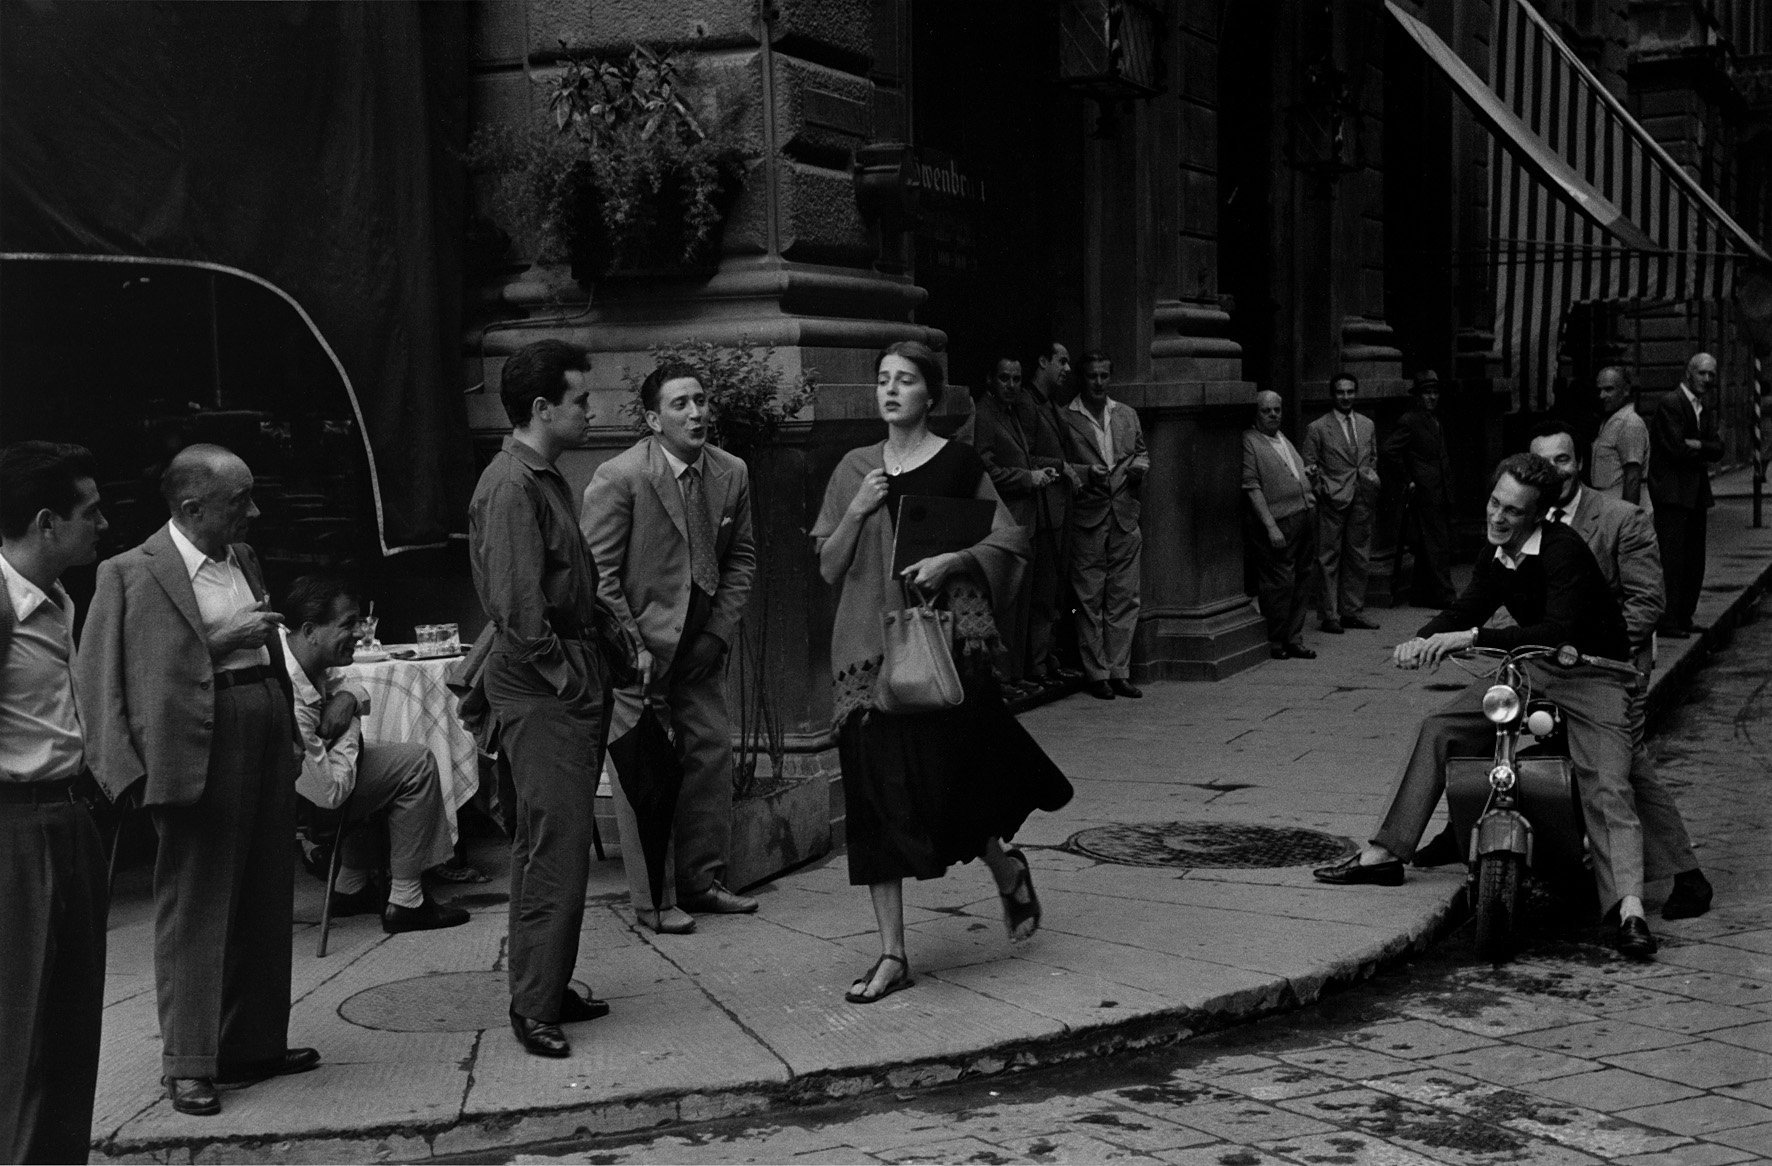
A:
(1549, 257)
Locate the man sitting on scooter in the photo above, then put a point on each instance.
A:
(1546, 577)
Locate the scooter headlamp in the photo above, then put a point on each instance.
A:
(1501, 704)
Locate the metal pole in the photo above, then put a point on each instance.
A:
(1759, 442)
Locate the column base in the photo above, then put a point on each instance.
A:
(1195, 645)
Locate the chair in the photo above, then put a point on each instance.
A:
(332, 864)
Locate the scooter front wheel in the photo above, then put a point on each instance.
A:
(1498, 902)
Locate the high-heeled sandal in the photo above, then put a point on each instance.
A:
(1020, 919)
(898, 982)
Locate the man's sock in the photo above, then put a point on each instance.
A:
(1630, 906)
(350, 880)
(411, 893)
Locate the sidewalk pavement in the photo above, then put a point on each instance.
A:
(748, 1013)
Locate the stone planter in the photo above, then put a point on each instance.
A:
(779, 830)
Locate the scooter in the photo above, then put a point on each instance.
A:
(1520, 809)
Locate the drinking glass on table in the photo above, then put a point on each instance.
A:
(366, 633)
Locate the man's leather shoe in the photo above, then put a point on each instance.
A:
(1349, 873)
(539, 1037)
(1332, 626)
(1359, 622)
(1067, 675)
(363, 902)
(1099, 689)
(717, 900)
(429, 915)
(193, 1095)
(1126, 688)
(1690, 897)
(575, 1009)
(1673, 632)
(292, 1061)
(1442, 851)
(670, 921)
(1300, 652)
(1634, 940)
(1278, 651)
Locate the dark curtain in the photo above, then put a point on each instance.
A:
(310, 144)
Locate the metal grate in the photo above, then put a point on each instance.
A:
(442, 1002)
(1206, 844)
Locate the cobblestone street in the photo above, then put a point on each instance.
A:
(1568, 1055)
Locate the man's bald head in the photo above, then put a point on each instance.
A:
(193, 471)
(1701, 374)
(209, 491)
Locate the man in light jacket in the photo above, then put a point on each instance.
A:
(1341, 461)
(1279, 531)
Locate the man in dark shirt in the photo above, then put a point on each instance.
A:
(1547, 578)
(543, 679)
(1414, 457)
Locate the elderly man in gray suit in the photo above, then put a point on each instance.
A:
(1278, 532)
(184, 694)
(1341, 461)
(669, 525)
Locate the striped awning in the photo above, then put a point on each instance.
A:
(1585, 204)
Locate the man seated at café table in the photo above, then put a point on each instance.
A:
(342, 772)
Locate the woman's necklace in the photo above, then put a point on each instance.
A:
(898, 469)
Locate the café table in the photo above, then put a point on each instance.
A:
(409, 701)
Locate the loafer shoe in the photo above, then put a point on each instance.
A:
(670, 921)
(1359, 622)
(292, 1061)
(1099, 689)
(1067, 675)
(575, 1009)
(539, 1037)
(1634, 941)
(717, 900)
(1126, 689)
(429, 915)
(1690, 897)
(193, 1095)
(363, 902)
(1332, 626)
(1349, 873)
(1672, 632)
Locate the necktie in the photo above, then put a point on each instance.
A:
(1347, 424)
(702, 569)
(1556, 515)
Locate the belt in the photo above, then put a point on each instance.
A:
(63, 789)
(250, 675)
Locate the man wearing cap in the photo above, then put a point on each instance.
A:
(1415, 456)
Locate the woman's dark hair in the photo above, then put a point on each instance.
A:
(921, 355)
(538, 370)
(40, 475)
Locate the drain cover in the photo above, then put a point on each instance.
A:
(442, 1002)
(1211, 844)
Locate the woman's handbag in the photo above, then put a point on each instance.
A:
(917, 673)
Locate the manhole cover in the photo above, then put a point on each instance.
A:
(1211, 844)
(442, 1002)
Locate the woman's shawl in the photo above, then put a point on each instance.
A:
(857, 644)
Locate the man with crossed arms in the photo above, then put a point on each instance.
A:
(668, 523)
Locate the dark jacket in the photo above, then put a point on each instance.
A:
(1557, 596)
(1006, 448)
(1677, 475)
(1415, 451)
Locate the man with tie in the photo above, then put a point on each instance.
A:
(185, 697)
(53, 895)
(1049, 571)
(668, 522)
(1684, 437)
(1341, 461)
(1415, 458)
(1278, 529)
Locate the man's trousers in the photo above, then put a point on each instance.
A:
(554, 747)
(695, 712)
(402, 779)
(1593, 705)
(1680, 532)
(1105, 569)
(1344, 552)
(224, 884)
(1282, 575)
(1667, 848)
(1016, 622)
(1430, 540)
(52, 979)
(1048, 575)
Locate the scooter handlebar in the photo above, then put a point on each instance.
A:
(1567, 655)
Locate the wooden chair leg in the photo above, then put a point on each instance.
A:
(596, 835)
(338, 838)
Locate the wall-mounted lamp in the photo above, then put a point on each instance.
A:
(1111, 51)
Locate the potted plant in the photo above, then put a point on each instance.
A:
(629, 178)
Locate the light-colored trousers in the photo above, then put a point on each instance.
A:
(1667, 848)
(1105, 565)
(402, 779)
(1344, 552)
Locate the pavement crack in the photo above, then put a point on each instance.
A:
(470, 1063)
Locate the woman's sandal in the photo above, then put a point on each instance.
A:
(1020, 919)
(903, 980)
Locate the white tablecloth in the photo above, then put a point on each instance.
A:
(408, 701)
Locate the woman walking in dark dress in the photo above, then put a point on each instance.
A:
(924, 790)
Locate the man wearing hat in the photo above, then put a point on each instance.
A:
(1415, 455)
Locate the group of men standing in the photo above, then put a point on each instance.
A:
(1070, 469)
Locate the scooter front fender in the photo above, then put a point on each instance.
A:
(1502, 831)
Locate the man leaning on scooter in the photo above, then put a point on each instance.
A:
(1546, 577)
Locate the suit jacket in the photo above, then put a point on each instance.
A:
(1117, 494)
(1006, 448)
(1677, 475)
(144, 678)
(1415, 451)
(1051, 446)
(1622, 539)
(1342, 469)
(634, 526)
(1263, 467)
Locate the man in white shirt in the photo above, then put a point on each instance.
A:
(1684, 437)
(340, 772)
(1620, 464)
(53, 895)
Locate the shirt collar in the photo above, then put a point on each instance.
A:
(27, 597)
(1570, 507)
(1077, 406)
(1692, 398)
(1529, 547)
(678, 465)
(187, 550)
(305, 691)
(528, 455)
